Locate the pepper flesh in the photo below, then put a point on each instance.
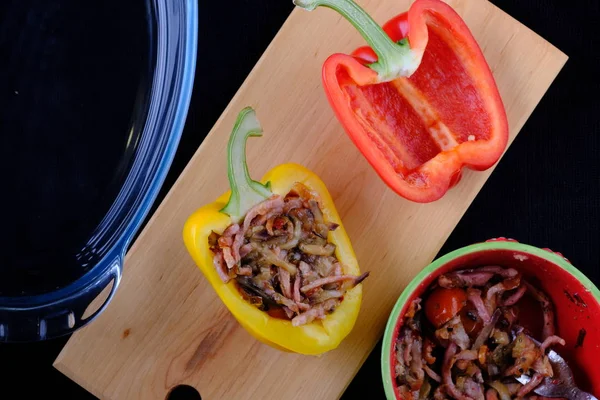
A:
(420, 111)
(312, 339)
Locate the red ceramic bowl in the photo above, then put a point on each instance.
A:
(576, 300)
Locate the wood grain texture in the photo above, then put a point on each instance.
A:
(166, 326)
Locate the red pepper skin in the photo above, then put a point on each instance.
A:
(461, 120)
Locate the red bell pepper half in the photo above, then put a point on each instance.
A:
(420, 101)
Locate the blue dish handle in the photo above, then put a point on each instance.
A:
(109, 280)
(65, 316)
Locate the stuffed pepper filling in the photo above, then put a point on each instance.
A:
(281, 259)
(464, 339)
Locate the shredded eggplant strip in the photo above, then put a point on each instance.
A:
(486, 331)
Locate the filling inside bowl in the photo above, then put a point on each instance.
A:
(463, 339)
(281, 259)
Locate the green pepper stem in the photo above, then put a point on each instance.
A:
(245, 192)
(394, 59)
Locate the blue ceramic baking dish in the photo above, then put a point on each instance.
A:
(93, 100)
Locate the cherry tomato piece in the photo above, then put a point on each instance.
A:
(443, 304)
(471, 321)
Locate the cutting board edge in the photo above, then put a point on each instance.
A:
(69, 373)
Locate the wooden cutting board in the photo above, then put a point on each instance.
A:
(166, 326)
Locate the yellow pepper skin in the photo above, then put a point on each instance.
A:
(311, 339)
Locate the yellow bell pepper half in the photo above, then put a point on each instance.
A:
(314, 338)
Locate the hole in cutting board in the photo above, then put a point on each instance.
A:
(183, 392)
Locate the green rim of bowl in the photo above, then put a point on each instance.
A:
(386, 367)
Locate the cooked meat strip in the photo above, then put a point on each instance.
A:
(432, 374)
(245, 250)
(409, 369)
(474, 277)
(536, 379)
(486, 331)
(226, 238)
(296, 291)
(416, 376)
(550, 340)
(291, 204)
(317, 312)
(285, 281)
(474, 296)
(333, 279)
(464, 279)
(337, 269)
(221, 268)
(228, 256)
(273, 204)
(498, 289)
(236, 246)
(503, 272)
(515, 296)
(289, 313)
(466, 355)
(447, 374)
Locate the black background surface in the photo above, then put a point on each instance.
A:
(545, 191)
